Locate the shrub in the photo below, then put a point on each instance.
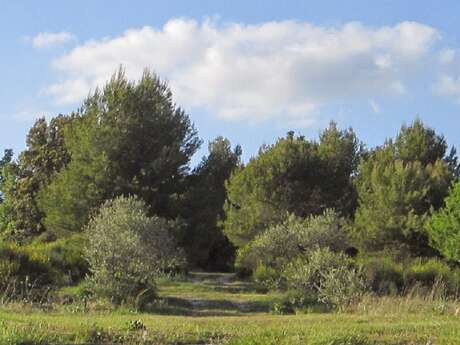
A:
(16, 264)
(63, 257)
(342, 286)
(426, 273)
(266, 277)
(306, 272)
(328, 277)
(127, 250)
(383, 274)
(281, 243)
(295, 301)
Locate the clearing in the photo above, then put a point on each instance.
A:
(217, 308)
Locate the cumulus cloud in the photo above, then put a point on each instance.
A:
(46, 39)
(284, 71)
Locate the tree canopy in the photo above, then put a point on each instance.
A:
(398, 185)
(444, 227)
(296, 176)
(129, 139)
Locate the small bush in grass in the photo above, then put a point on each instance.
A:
(342, 287)
(326, 276)
(305, 272)
(127, 250)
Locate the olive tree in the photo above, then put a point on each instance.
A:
(127, 250)
(282, 242)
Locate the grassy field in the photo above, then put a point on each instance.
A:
(218, 309)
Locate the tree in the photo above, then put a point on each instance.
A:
(37, 165)
(130, 139)
(127, 250)
(8, 174)
(204, 240)
(6, 159)
(292, 176)
(444, 226)
(398, 185)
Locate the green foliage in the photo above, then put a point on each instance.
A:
(128, 139)
(54, 263)
(342, 287)
(281, 243)
(444, 226)
(35, 168)
(16, 264)
(64, 257)
(6, 159)
(266, 278)
(427, 272)
(204, 241)
(7, 189)
(418, 143)
(327, 277)
(306, 272)
(398, 186)
(389, 276)
(292, 176)
(136, 325)
(384, 275)
(127, 250)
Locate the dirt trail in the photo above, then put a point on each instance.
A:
(209, 294)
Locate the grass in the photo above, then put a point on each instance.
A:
(217, 309)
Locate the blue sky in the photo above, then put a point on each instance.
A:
(248, 70)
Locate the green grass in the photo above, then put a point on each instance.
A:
(233, 312)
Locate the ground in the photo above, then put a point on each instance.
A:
(210, 308)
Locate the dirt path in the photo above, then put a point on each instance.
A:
(215, 294)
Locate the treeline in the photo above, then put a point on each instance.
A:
(130, 139)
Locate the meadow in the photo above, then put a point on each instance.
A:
(205, 308)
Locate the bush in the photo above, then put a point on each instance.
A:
(427, 272)
(384, 275)
(326, 276)
(63, 257)
(341, 287)
(306, 272)
(127, 250)
(266, 278)
(16, 264)
(281, 243)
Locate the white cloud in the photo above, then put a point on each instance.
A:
(46, 39)
(448, 85)
(283, 71)
(448, 81)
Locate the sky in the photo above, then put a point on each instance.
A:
(246, 70)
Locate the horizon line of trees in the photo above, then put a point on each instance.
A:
(131, 139)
